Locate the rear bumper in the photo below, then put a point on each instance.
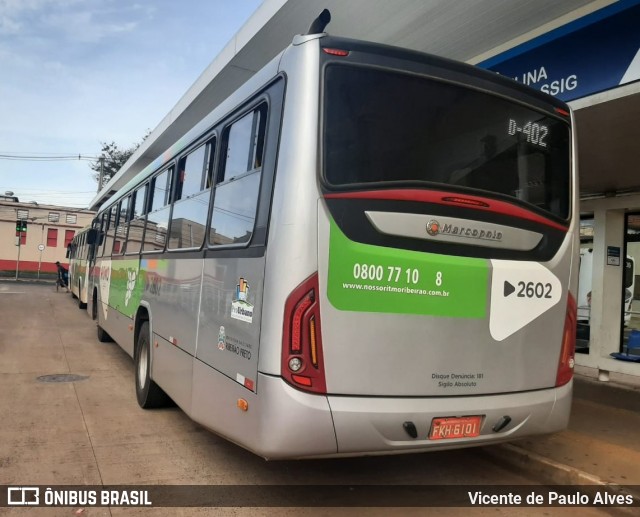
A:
(298, 424)
(365, 425)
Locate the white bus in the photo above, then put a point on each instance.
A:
(80, 255)
(363, 250)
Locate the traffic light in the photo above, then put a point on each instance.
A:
(21, 225)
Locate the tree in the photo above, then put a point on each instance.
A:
(112, 158)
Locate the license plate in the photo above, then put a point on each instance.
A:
(458, 427)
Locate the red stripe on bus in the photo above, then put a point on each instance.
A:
(446, 198)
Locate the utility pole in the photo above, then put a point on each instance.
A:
(101, 177)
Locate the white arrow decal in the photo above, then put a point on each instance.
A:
(520, 292)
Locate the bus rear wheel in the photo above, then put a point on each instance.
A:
(148, 393)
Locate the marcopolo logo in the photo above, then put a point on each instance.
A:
(434, 228)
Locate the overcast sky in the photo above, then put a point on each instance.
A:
(75, 73)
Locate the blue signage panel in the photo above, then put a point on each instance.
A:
(592, 54)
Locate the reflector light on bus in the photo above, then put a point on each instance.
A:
(301, 379)
(562, 112)
(302, 360)
(567, 353)
(336, 52)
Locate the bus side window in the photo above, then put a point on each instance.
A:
(210, 164)
(121, 230)
(155, 235)
(107, 240)
(191, 206)
(100, 235)
(113, 228)
(236, 195)
(136, 225)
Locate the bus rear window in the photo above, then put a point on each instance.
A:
(384, 127)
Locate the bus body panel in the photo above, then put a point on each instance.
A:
(230, 316)
(115, 305)
(281, 422)
(171, 287)
(476, 340)
(284, 423)
(117, 325)
(172, 370)
(292, 253)
(79, 278)
(83, 295)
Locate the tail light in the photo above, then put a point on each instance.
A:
(302, 359)
(567, 353)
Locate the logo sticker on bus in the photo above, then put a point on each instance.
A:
(132, 275)
(105, 287)
(486, 233)
(221, 338)
(241, 309)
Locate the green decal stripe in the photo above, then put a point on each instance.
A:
(126, 287)
(368, 278)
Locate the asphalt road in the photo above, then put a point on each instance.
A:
(92, 432)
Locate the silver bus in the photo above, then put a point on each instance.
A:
(363, 250)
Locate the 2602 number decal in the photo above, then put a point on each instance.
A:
(534, 290)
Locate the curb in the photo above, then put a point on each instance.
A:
(554, 472)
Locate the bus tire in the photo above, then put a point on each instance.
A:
(148, 393)
(103, 336)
